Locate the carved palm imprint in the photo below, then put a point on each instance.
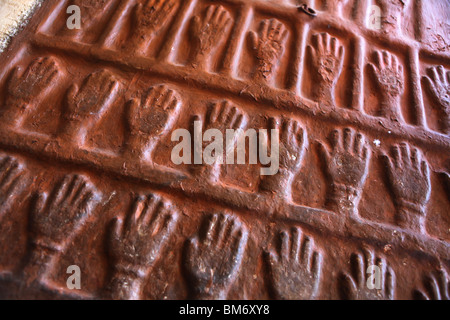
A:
(267, 47)
(207, 31)
(346, 167)
(87, 104)
(134, 245)
(388, 75)
(327, 61)
(149, 118)
(392, 14)
(409, 177)
(56, 218)
(362, 283)
(220, 116)
(149, 17)
(212, 260)
(438, 85)
(12, 183)
(91, 12)
(295, 268)
(436, 287)
(25, 88)
(293, 143)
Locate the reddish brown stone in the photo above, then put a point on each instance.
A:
(86, 176)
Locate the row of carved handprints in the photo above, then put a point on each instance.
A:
(211, 259)
(208, 31)
(154, 112)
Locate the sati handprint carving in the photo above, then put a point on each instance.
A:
(90, 13)
(409, 177)
(212, 260)
(327, 57)
(55, 219)
(346, 167)
(388, 75)
(295, 268)
(267, 47)
(206, 32)
(220, 117)
(149, 16)
(438, 84)
(87, 104)
(25, 88)
(392, 13)
(370, 278)
(293, 141)
(134, 245)
(12, 182)
(149, 117)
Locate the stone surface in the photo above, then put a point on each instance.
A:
(362, 105)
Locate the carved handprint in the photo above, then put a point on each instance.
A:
(206, 32)
(361, 283)
(220, 116)
(392, 14)
(149, 16)
(91, 13)
(346, 167)
(11, 182)
(135, 244)
(388, 73)
(55, 219)
(409, 176)
(149, 117)
(213, 261)
(437, 287)
(267, 46)
(87, 104)
(24, 89)
(295, 268)
(327, 61)
(292, 146)
(293, 142)
(438, 84)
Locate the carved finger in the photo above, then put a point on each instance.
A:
(441, 74)
(406, 156)
(58, 196)
(296, 243)
(432, 287)
(397, 157)
(306, 251)
(386, 59)
(378, 58)
(135, 211)
(441, 277)
(347, 287)
(357, 268)
(335, 140)
(348, 139)
(284, 249)
(211, 229)
(390, 284)
(316, 265)
(252, 40)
